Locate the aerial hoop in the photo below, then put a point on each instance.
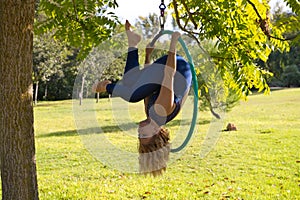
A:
(194, 84)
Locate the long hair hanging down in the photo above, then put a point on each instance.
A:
(153, 156)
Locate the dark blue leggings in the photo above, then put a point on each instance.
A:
(137, 84)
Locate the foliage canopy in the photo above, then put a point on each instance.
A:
(81, 23)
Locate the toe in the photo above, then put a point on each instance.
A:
(127, 25)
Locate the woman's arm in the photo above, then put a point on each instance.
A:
(149, 51)
(164, 105)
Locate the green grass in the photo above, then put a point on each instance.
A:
(259, 161)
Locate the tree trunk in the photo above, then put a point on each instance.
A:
(17, 150)
(36, 92)
(46, 92)
(81, 90)
(87, 94)
(98, 96)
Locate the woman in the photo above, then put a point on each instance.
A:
(163, 85)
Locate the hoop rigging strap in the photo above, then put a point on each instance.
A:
(195, 88)
(162, 19)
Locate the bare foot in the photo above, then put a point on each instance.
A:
(133, 38)
(100, 86)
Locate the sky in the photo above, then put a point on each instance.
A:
(131, 9)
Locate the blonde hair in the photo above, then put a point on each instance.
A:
(154, 155)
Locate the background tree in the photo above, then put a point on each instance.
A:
(17, 149)
(281, 63)
(59, 85)
(92, 69)
(49, 56)
(291, 76)
(148, 25)
(278, 63)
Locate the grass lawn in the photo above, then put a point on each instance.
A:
(259, 161)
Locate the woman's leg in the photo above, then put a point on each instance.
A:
(132, 60)
(164, 105)
(148, 82)
(131, 70)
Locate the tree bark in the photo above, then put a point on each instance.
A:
(81, 90)
(98, 95)
(17, 149)
(46, 92)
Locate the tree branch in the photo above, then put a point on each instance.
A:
(75, 9)
(207, 97)
(189, 14)
(287, 38)
(177, 18)
(265, 27)
(255, 9)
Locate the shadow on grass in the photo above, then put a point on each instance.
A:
(52, 103)
(178, 122)
(111, 129)
(273, 89)
(75, 132)
(58, 134)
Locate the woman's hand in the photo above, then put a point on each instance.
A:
(149, 50)
(174, 40)
(175, 36)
